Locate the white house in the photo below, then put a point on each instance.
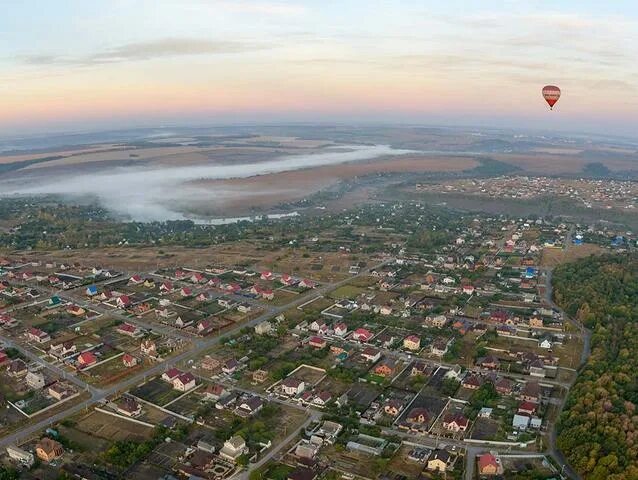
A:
(233, 448)
(292, 386)
(184, 382)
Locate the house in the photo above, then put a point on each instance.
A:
(440, 346)
(197, 278)
(362, 335)
(230, 366)
(499, 316)
(123, 301)
(166, 287)
(35, 380)
(385, 368)
(260, 376)
(86, 359)
(385, 310)
(438, 321)
(418, 416)
(531, 392)
(129, 360)
(263, 328)
(520, 422)
(545, 343)
(48, 449)
(91, 290)
(129, 406)
(503, 386)
(129, 330)
(214, 392)
(264, 293)
(186, 292)
(204, 327)
(485, 412)
(148, 347)
(142, 308)
(372, 355)
(17, 368)
(267, 275)
(527, 408)
(421, 369)
(233, 448)
(468, 289)
(184, 382)
(104, 296)
(438, 460)
(323, 398)
(340, 329)
(224, 302)
(59, 391)
(251, 405)
(292, 386)
(232, 288)
(244, 307)
(75, 310)
(226, 402)
(7, 321)
(454, 373)
(393, 407)
(135, 280)
(536, 322)
(4, 358)
(455, 422)
(54, 301)
(317, 342)
(22, 456)
(37, 335)
(171, 374)
(305, 283)
(489, 362)
(206, 296)
(319, 326)
(307, 451)
(412, 342)
(149, 283)
(488, 464)
(267, 294)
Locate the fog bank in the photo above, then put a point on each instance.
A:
(154, 193)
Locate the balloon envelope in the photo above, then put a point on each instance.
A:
(551, 94)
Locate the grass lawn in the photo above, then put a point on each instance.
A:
(346, 291)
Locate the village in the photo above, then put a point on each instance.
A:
(586, 192)
(320, 360)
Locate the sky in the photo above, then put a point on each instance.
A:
(87, 64)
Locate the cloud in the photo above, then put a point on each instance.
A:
(265, 8)
(140, 51)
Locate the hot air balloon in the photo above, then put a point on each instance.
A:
(551, 94)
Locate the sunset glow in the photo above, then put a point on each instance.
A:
(193, 62)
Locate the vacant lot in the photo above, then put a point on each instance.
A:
(157, 391)
(111, 428)
(552, 257)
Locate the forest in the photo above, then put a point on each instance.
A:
(598, 429)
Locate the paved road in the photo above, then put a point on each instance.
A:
(274, 451)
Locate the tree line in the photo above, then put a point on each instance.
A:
(598, 429)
